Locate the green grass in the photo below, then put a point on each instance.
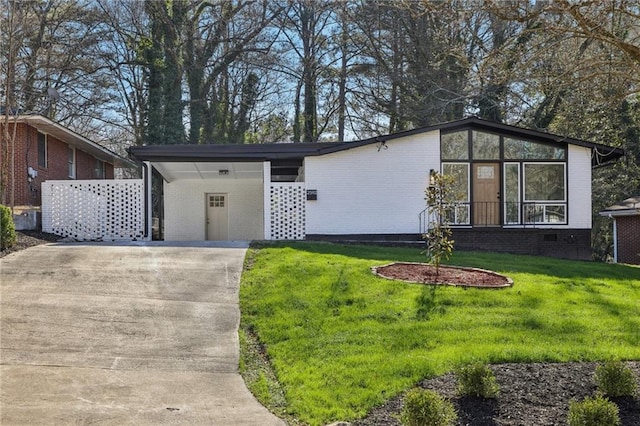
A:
(342, 341)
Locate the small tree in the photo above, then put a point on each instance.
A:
(439, 202)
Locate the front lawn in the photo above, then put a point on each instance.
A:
(342, 341)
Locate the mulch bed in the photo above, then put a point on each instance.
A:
(26, 239)
(530, 394)
(447, 275)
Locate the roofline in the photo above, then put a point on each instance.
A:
(617, 213)
(474, 121)
(176, 153)
(38, 121)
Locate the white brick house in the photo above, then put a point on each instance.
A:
(518, 190)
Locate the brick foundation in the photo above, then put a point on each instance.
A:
(560, 243)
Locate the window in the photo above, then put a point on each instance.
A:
(455, 146)
(544, 193)
(459, 212)
(72, 162)
(486, 146)
(216, 201)
(515, 149)
(42, 150)
(512, 193)
(100, 170)
(544, 182)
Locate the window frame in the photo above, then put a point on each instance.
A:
(544, 205)
(101, 169)
(460, 208)
(519, 187)
(72, 162)
(43, 150)
(524, 181)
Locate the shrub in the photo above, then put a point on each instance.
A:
(615, 379)
(426, 407)
(597, 411)
(7, 228)
(477, 379)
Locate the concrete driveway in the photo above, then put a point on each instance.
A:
(135, 334)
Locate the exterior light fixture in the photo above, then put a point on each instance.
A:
(223, 172)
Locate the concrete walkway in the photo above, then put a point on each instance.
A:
(137, 334)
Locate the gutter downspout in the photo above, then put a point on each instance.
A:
(148, 221)
(615, 240)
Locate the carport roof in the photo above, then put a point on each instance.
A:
(286, 151)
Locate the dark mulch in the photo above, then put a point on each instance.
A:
(452, 275)
(26, 239)
(530, 394)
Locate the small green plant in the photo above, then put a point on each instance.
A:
(426, 407)
(438, 237)
(615, 379)
(597, 411)
(7, 228)
(477, 379)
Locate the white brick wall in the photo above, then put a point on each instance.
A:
(579, 187)
(369, 191)
(185, 208)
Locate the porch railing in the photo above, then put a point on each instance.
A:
(485, 214)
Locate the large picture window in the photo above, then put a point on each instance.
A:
(544, 182)
(545, 193)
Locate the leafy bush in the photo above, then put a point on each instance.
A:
(598, 411)
(615, 379)
(477, 379)
(7, 228)
(426, 407)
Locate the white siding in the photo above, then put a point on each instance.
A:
(579, 187)
(370, 191)
(184, 208)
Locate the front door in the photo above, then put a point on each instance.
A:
(486, 194)
(217, 217)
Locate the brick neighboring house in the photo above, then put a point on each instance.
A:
(626, 230)
(46, 150)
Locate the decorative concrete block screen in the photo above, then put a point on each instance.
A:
(90, 210)
(288, 216)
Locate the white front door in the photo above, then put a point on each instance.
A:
(217, 217)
